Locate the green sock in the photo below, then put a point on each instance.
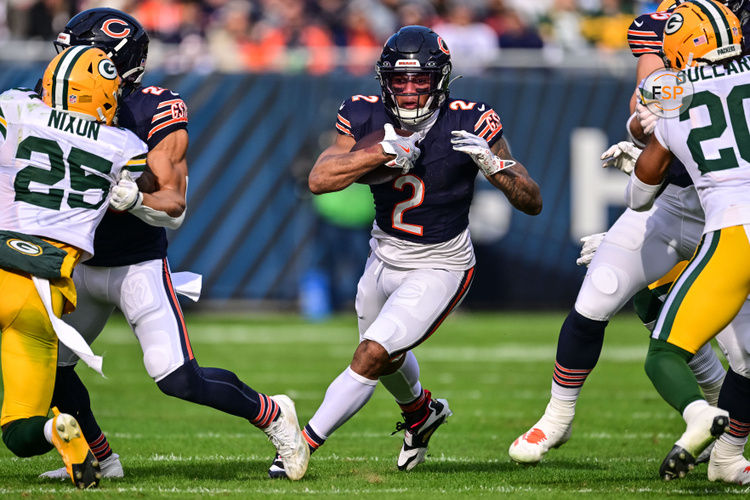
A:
(666, 366)
(647, 303)
(25, 437)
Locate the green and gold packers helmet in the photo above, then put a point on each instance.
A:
(82, 80)
(701, 32)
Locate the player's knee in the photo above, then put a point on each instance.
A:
(183, 383)
(604, 291)
(370, 359)
(158, 361)
(25, 437)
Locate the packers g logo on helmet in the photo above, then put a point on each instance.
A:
(83, 81)
(705, 32)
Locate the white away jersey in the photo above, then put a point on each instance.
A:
(56, 169)
(712, 138)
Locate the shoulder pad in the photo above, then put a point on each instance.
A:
(169, 111)
(478, 118)
(645, 33)
(355, 111)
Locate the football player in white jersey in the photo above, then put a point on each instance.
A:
(58, 161)
(639, 249)
(711, 138)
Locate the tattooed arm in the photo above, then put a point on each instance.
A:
(516, 183)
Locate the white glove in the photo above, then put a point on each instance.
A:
(646, 118)
(590, 244)
(480, 152)
(125, 194)
(405, 148)
(622, 155)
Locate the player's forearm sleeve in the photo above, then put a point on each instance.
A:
(157, 217)
(640, 196)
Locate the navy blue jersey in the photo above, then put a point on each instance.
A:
(123, 239)
(429, 204)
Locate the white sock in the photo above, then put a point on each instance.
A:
(48, 430)
(693, 409)
(728, 448)
(565, 393)
(709, 372)
(345, 396)
(560, 411)
(404, 382)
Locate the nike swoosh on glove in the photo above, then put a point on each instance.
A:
(125, 194)
(622, 155)
(480, 152)
(405, 148)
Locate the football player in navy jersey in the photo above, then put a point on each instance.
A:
(422, 261)
(640, 248)
(130, 270)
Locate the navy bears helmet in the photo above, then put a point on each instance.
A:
(414, 50)
(116, 33)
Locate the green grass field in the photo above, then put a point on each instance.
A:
(495, 369)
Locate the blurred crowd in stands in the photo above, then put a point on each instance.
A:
(317, 35)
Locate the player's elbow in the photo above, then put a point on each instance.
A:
(317, 184)
(314, 185)
(177, 208)
(535, 208)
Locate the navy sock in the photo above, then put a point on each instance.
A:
(735, 398)
(578, 348)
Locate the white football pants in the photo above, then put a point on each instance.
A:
(145, 295)
(400, 308)
(640, 248)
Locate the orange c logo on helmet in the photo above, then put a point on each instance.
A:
(443, 46)
(122, 33)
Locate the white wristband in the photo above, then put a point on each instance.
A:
(640, 196)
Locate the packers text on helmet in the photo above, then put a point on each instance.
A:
(701, 32)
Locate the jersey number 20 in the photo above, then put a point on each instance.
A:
(735, 105)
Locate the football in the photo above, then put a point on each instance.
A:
(382, 173)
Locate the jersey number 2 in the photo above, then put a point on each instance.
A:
(416, 199)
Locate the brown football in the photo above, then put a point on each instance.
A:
(381, 173)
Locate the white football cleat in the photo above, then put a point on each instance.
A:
(286, 436)
(111, 467)
(531, 446)
(734, 469)
(706, 424)
(417, 434)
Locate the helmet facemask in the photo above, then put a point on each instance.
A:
(428, 89)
